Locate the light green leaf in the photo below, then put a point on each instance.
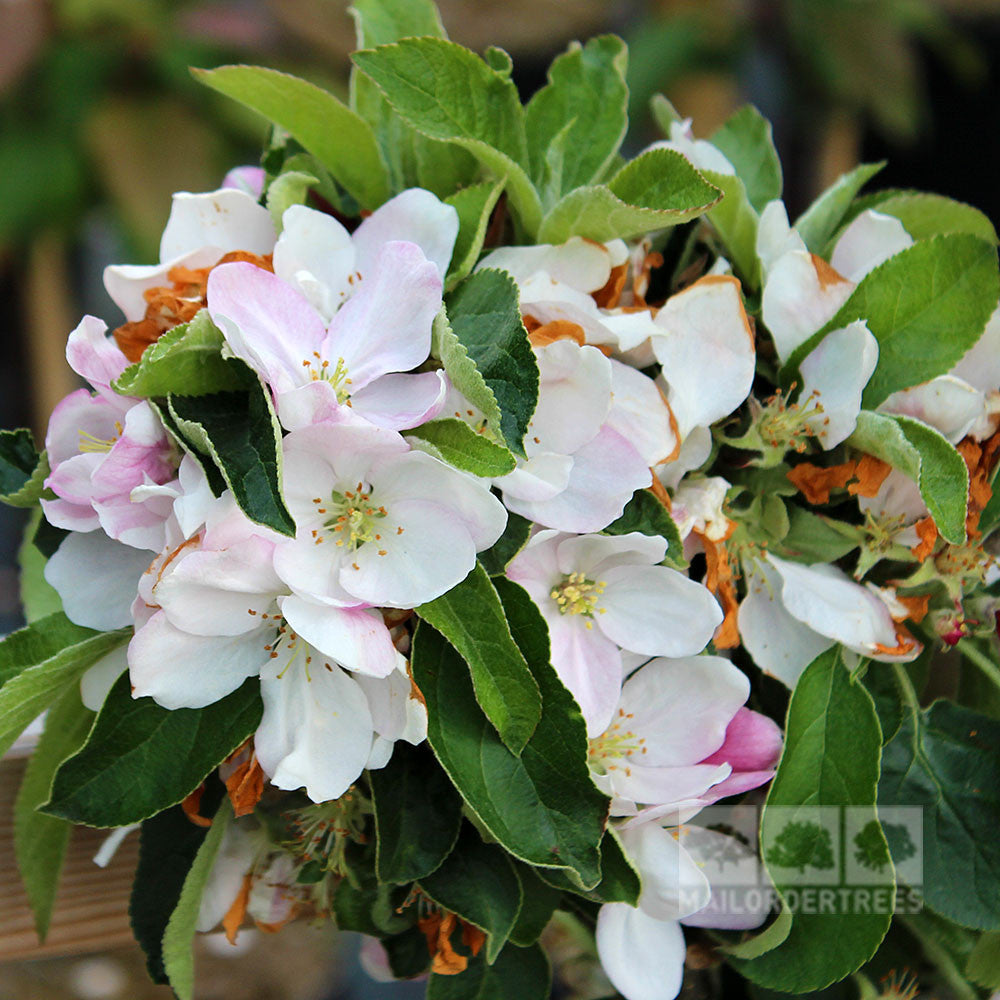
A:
(657, 189)
(380, 22)
(474, 205)
(736, 222)
(767, 940)
(498, 59)
(664, 113)
(926, 457)
(40, 841)
(178, 938)
(455, 442)
(141, 759)
(240, 433)
(187, 359)
(22, 469)
(813, 538)
(448, 93)
(38, 597)
(471, 617)
(518, 974)
(340, 140)
(747, 142)
(38, 664)
(587, 96)
(478, 883)
(646, 514)
(926, 307)
(924, 214)
(831, 758)
(542, 805)
(291, 187)
(485, 316)
(820, 220)
(983, 966)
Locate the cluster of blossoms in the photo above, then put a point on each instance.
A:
(629, 485)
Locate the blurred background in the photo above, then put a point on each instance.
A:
(100, 121)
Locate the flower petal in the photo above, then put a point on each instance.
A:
(673, 885)
(583, 265)
(94, 356)
(227, 219)
(642, 956)
(947, 403)
(100, 678)
(402, 401)
(641, 415)
(868, 241)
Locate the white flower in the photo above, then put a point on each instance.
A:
(700, 152)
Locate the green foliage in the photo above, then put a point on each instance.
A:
(471, 617)
(341, 141)
(518, 974)
(22, 469)
(646, 514)
(39, 840)
(925, 215)
(455, 442)
(418, 813)
(820, 220)
(514, 538)
(619, 882)
(539, 901)
(187, 359)
(736, 222)
(38, 596)
(748, 144)
(140, 759)
(485, 317)
(813, 538)
(984, 963)
(290, 187)
(474, 205)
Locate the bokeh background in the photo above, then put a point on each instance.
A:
(100, 121)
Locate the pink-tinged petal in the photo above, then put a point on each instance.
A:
(732, 870)
(596, 554)
(898, 496)
(315, 255)
(94, 356)
(180, 670)
(541, 477)
(414, 216)
(100, 678)
(641, 415)
(126, 283)
(70, 516)
(316, 732)
(312, 570)
(606, 472)
(536, 566)
(220, 593)
(574, 397)
(682, 708)
(642, 956)
(837, 371)
(589, 665)
(871, 239)
(778, 643)
(706, 348)
(753, 743)
(656, 610)
(313, 403)
(97, 579)
(227, 219)
(142, 454)
(673, 885)
(81, 419)
(582, 265)
(638, 783)
(268, 324)
(73, 480)
(249, 180)
(801, 294)
(399, 402)
(141, 525)
(947, 403)
(356, 638)
(386, 326)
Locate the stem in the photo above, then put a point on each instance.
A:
(975, 655)
(906, 687)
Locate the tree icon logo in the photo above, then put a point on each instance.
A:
(801, 845)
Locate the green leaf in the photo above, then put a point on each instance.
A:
(455, 442)
(291, 187)
(587, 96)
(340, 140)
(241, 434)
(448, 93)
(187, 359)
(38, 664)
(38, 597)
(40, 841)
(514, 538)
(542, 806)
(539, 901)
(418, 814)
(664, 113)
(767, 940)
(926, 457)
(22, 469)
(657, 189)
(619, 883)
(983, 966)
(747, 142)
(736, 222)
(141, 758)
(924, 215)
(474, 205)
(178, 937)
(944, 760)
(478, 883)
(168, 846)
(518, 974)
(813, 538)
(831, 758)
(645, 513)
(820, 220)
(485, 316)
(471, 617)
(926, 307)
(380, 22)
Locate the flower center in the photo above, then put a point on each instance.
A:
(617, 742)
(577, 595)
(91, 443)
(353, 518)
(321, 371)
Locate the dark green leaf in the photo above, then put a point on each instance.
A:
(619, 880)
(485, 316)
(478, 883)
(646, 514)
(748, 144)
(471, 617)
(513, 539)
(418, 814)
(407, 953)
(22, 469)
(140, 758)
(538, 902)
(518, 974)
